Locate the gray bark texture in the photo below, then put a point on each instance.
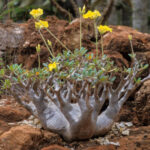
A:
(139, 15)
(113, 19)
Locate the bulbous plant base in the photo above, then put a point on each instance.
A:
(51, 103)
(73, 121)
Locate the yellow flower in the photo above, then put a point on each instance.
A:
(49, 42)
(37, 73)
(92, 14)
(90, 57)
(130, 37)
(36, 13)
(102, 29)
(41, 24)
(38, 48)
(52, 66)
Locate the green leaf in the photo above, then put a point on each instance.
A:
(15, 79)
(103, 78)
(45, 64)
(113, 79)
(6, 84)
(82, 51)
(2, 72)
(100, 72)
(137, 81)
(132, 55)
(145, 66)
(129, 70)
(63, 75)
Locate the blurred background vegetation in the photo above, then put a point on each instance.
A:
(135, 13)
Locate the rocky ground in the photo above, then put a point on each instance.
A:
(19, 130)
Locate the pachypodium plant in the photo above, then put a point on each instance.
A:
(67, 94)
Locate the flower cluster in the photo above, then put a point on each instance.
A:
(52, 66)
(41, 24)
(36, 13)
(103, 29)
(92, 14)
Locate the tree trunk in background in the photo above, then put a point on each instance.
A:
(98, 5)
(148, 16)
(127, 14)
(139, 15)
(80, 3)
(113, 18)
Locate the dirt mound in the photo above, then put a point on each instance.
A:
(26, 138)
(118, 40)
(142, 103)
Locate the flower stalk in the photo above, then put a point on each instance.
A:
(81, 12)
(38, 49)
(102, 46)
(96, 38)
(80, 31)
(45, 43)
(56, 39)
(102, 30)
(130, 39)
(93, 15)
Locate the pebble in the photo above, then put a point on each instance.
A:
(126, 132)
(120, 125)
(115, 143)
(39, 126)
(31, 117)
(32, 121)
(11, 123)
(36, 121)
(129, 124)
(2, 102)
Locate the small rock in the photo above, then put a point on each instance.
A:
(12, 123)
(36, 121)
(125, 132)
(13, 114)
(30, 122)
(55, 147)
(129, 124)
(39, 126)
(24, 122)
(115, 143)
(106, 142)
(31, 117)
(26, 138)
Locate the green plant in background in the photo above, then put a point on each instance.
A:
(88, 80)
(11, 10)
(18, 10)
